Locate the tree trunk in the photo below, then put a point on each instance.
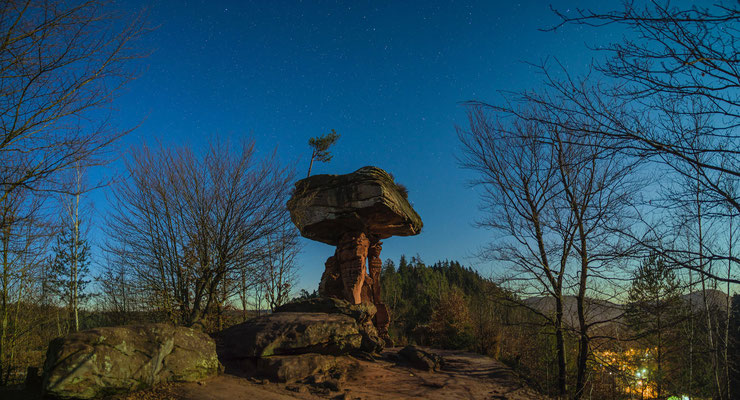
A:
(4, 368)
(75, 220)
(659, 355)
(583, 343)
(727, 316)
(710, 331)
(560, 341)
(313, 155)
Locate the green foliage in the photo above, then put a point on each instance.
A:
(653, 299)
(61, 282)
(451, 325)
(401, 187)
(320, 147)
(305, 295)
(653, 313)
(445, 305)
(403, 190)
(655, 287)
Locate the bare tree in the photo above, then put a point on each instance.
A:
(117, 292)
(676, 79)
(555, 194)
(598, 189)
(59, 63)
(519, 176)
(248, 280)
(676, 74)
(23, 243)
(184, 223)
(278, 271)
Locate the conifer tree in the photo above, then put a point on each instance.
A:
(653, 306)
(320, 148)
(70, 270)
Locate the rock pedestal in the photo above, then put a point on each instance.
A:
(354, 212)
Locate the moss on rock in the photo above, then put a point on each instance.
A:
(114, 360)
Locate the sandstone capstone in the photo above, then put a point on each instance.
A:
(324, 207)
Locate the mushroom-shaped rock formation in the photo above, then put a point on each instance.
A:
(326, 207)
(353, 212)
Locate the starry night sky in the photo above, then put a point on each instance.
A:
(388, 76)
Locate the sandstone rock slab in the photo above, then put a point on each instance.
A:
(289, 333)
(104, 361)
(362, 312)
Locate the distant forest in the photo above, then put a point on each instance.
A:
(635, 344)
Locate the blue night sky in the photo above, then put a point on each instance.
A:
(388, 76)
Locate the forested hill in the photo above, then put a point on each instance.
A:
(444, 304)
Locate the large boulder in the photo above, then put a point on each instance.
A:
(288, 333)
(324, 207)
(362, 313)
(105, 361)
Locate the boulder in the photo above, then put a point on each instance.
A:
(105, 361)
(324, 207)
(362, 312)
(288, 333)
(371, 341)
(421, 359)
(299, 367)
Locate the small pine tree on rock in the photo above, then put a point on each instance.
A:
(320, 148)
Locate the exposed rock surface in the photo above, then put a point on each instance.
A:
(323, 207)
(298, 367)
(421, 359)
(306, 339)
(111, 360)
(362, 313)
(289, 333)
(354, 212)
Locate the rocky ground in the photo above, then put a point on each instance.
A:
(464, 376)
(323, 348)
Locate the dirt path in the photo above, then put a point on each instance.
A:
(465, 376)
